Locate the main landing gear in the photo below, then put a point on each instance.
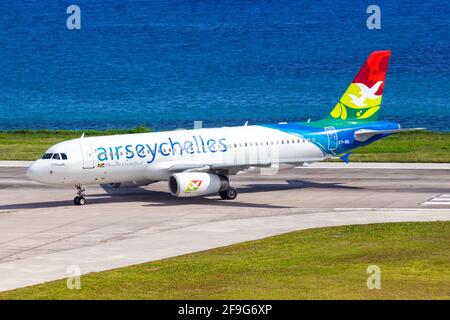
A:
(228, 194)
(80, 200)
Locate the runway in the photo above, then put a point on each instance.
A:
(42, 233)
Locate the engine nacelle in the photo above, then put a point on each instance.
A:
(194, 184)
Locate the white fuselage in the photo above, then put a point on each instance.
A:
(155, 156)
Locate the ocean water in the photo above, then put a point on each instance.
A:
(167, 63)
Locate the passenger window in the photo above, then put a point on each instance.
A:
(47, 156)
(63, 156)
(56, 156)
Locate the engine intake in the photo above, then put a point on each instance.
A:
(195, 184)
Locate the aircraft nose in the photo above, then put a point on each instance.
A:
(35, 171)
(31, 172)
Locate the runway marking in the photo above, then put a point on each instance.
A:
(443, 199)
(11, 181)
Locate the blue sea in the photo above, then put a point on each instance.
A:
(165, 64)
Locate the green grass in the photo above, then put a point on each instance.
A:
(31, 144)
(423, 146)
(326, 263)
(419, 146)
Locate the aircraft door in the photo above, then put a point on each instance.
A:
(88, 156)
(332, 138)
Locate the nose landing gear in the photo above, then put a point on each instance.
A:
(80, 200)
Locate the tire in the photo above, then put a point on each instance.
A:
(231, 193)
(81, 201)
(76, 201)
(223, 194)
(228, 194)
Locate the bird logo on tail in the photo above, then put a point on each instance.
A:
(362, 99)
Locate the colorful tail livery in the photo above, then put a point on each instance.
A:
(198, 162)
(362, 99)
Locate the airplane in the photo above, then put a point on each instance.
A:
(198, 162)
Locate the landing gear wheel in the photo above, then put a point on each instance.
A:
(228, 194)
(79, 201)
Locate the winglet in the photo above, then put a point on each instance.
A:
(346, 157)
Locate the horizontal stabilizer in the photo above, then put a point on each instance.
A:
(365, 134)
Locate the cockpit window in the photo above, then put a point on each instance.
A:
(47, 156)
(56, 156)
(63, 156)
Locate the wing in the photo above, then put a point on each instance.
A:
(365, 134)
(228, 169)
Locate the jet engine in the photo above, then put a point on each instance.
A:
(194, 184)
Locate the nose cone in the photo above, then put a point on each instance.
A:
(36, 172)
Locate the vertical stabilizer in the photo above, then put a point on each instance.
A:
(362, 99)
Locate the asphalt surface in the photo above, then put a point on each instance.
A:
(42, 233)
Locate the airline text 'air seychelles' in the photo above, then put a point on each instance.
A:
(198, 162)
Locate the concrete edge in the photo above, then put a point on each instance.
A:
(15, 163)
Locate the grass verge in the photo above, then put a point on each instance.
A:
(31, 144)
(325, 263)
(418, 146)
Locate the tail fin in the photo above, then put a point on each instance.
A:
(362, 99)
